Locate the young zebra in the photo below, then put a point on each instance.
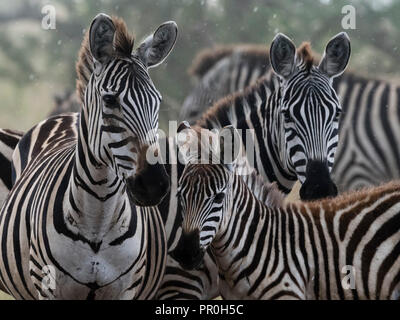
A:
(295, 139)
(266, 250)
(370, 111)
(70, 228)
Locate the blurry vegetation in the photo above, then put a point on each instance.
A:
(36, 64)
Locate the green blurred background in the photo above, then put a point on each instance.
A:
(36, 64)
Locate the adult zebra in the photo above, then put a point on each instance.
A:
(295, 138)
(266, 250)
(367, 154)
(71, 212)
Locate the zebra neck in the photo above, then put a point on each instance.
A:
(96, 199)
(244, 217)
(270, 164)
(261, 115)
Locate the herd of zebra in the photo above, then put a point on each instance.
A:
(85, 215)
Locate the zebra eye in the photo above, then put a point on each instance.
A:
(110, 100)
(219, 197)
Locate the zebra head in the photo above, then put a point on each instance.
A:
(204, 190)
(307, 111)
(122, 105)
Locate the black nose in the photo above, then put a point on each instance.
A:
(150, 186)
(188, 252)
(318, 183)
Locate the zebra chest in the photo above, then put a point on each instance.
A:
(78, 264)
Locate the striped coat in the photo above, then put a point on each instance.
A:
(341, 248)
(367, 153)
(75, 225)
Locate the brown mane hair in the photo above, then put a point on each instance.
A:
(356, 198)
(306, 55)
(123, 46)
(207, 58)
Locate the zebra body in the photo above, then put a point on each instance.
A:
(278, 159)
(76, 224)
(367, 154)
(295, 122)
(340, 248)
(8, 141)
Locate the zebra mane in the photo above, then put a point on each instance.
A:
(267, 193)
(123, 46)
(305, 56)
(353, 198)
(208, 58)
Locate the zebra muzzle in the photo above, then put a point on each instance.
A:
(188, 252)
(318, 183)
(149, 186)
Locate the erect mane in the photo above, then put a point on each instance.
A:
(123, 46)
(208, 58)
(367, 194)
(306, 56)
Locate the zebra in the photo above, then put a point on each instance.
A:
(341, 248)
(291, 144)
(296, 124)
(221, 71)
(367, 155)
(8, 141)
(83, 184)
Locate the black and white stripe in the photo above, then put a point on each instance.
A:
(367, 154)
(340, 248)
(76, 207)
(286, 141)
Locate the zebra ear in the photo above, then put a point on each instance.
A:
(183, 139)
(156, 47)
(182, 126)
(230, 144)
(336, 56)
(283, 56)
(101, 37)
